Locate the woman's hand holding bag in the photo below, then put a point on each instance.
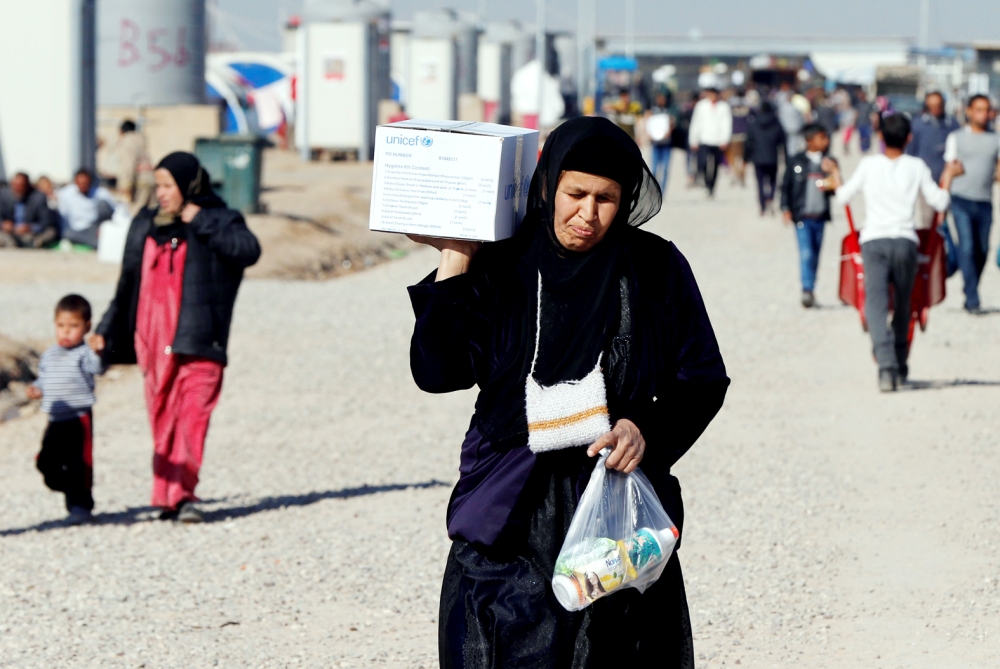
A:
(627, 446)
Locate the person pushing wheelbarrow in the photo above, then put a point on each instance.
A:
(889, 242)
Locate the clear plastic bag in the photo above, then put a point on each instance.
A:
(620, 537)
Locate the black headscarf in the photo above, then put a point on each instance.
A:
(580, 308)
(193, 181)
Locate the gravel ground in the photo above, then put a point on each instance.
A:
(827, 525)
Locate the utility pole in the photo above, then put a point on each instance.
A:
(541, 53)
(924, 42)
(482, 14)
(630, 28)
(586, 22)
(925, 20)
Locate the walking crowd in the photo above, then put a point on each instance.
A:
(925, 166)
(922, 167)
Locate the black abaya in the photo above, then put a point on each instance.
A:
(497, 608)
(511, 508)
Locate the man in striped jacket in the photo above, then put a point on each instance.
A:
(65, 385)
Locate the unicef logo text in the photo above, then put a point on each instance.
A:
(403, 140)
(517, 189)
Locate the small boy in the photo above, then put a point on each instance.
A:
(891, 184)
(65, 385)
(805, 201)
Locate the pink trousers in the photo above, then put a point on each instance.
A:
(179, 410)
(181, 390)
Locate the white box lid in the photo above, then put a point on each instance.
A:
(462, 127)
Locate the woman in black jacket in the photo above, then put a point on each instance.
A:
(579, 300)
(764, 138)
(182, 267)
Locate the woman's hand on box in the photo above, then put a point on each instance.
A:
(456, 254)
(627, 446)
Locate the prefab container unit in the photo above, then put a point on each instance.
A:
(564, 47)
(343, 73)
(399, 58)
(467, 41)
(150, 52)
(433, 90)
(497, 47)
(47, 87)
(522, 47)
(494, 81)
(443, 55)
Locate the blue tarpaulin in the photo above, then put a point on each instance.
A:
(256, 74)
(229, 124)
(618, 63)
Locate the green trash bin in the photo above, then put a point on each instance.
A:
(234, 164)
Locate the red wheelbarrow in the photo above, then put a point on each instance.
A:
(852, 270)
(928, 287)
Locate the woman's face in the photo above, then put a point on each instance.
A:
(586, 204)
(168, 195)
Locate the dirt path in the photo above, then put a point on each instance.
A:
(827, 525)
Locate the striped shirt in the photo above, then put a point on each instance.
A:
(66, 379)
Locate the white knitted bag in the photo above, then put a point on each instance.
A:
(570, 413)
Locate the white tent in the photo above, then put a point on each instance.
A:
(524, 94)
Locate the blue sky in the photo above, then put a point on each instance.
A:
(255, 23)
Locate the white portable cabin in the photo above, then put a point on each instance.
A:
(399, 61)
(443, 55)
(47, 87)
(433, 89)
(564, 45)
(498, 48)
(343, 74)
(494, 81)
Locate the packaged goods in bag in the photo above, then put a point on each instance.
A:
(620, 537)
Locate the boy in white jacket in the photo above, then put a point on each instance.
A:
(891, 184)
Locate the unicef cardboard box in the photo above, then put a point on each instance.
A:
(452, 178)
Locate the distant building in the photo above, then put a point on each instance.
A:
(766, 60)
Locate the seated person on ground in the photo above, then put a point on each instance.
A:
(25, 218)
(44, 185)
(84, 206)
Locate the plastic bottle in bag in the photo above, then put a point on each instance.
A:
(620, 536)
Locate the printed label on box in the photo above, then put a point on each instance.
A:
(435, 183)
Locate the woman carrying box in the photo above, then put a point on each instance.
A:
(579, 298)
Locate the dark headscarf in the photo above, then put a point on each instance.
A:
(580, 308)
(597, 146)
(193, 181)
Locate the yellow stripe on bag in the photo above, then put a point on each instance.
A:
(568, 420)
